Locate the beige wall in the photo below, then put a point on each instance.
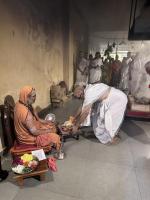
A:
(38, 45)
(28, 54)
(78, 38)
(31, 48)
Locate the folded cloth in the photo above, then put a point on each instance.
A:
(43, 140)
(52, 164)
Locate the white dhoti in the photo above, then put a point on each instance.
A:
(81, 76)
(124, 83)
(95, 72)
(106, 116)
(81, 79)
(95, 75)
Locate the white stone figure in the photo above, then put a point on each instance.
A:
(95, 72)
(82, 75)
(140, 79)
(124, 82)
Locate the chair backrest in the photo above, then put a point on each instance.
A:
(7, 117)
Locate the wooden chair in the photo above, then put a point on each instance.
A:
(7, 117)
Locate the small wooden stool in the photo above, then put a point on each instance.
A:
(40, 171)
(64, 135)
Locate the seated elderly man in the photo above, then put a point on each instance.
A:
(103, 108)
(30, 129)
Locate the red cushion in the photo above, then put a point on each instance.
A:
(24, 146)
(141, 114)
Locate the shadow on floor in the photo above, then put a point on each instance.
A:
(62, 113)
(71, 107)
(87, 132)
(135, 131)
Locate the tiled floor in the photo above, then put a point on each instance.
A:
(92, 171)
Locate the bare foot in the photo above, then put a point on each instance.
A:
(118, 136)
(115, 140)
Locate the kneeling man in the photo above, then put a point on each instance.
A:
(103, 109)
